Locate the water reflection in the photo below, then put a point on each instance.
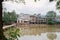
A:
(39, 32)
(51, 36)
(43, 36)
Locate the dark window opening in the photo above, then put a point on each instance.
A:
(25, 21)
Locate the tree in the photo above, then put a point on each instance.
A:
(13, 16)
(58, 5)
(36, 0)
(51, 16)
(13, 33)
(51, 0)
(17, 1)
(5, 17)
(39, 0)
(2, 37)
(9, 17)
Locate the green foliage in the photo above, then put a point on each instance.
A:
(23, 1)
(36, 0)
(5, 18)
(51, 16)
(50, 0)
(14, 34)
(13, 16)
(57, 22)
(58, 4)
(9, 17)
(51, 22)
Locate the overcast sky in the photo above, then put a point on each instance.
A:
(31, 7)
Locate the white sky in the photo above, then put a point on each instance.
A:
(31, 7)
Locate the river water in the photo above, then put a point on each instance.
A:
(40, 32)
(43, 36)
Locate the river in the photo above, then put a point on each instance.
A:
(43, 36)
(40, 32)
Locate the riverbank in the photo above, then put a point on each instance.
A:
(37, 26)
(34, 29)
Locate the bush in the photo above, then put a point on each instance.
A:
(9, 17)
(57, 22)
(14, 33)
(51, 22)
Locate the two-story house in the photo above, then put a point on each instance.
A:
(23, 18)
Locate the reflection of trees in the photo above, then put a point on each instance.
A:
(51, 36)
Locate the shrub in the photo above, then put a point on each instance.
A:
(14, 34)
